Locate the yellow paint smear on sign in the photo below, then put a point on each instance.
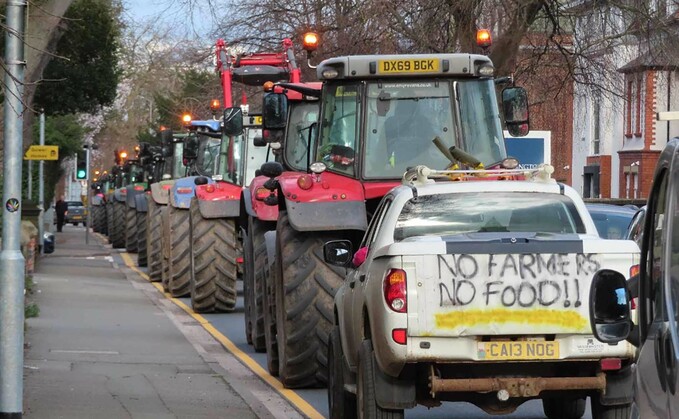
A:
(564, 319)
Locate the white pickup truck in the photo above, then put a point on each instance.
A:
(476, 291)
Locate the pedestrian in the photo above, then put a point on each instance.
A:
(61, 207)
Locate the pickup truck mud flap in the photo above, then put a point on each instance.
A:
(507, 387)
(619, 387)
(392, 393)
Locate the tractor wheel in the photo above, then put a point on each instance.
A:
(270, 281)
(100, 219)
(179, 256)
(130, 230)
(95, 219)
(248, 279)
(154, 249)
(118, 210)
(259, 269)
(103, 219)
(166, 266)
(142, 259)
(213, 262)
(304, 305)
(109, 220)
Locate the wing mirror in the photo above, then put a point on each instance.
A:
(515, 107)
(274, 111)
(190, 150)
(338, 252)
(609, 312)
(233, 121)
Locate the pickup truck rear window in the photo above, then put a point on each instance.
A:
(451, 214)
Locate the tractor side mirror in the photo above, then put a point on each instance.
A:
(190, 150)
(166, 137)
(274, 111)
(515, 107)
(233, 121)
(609, 307)
(338, 252)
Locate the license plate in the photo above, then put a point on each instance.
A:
(521, 350)
(253, 121)
(420, 65)
(77, 217)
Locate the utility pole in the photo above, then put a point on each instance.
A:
(88, 222)
(30, 180)
(11, 260)
(41, 187)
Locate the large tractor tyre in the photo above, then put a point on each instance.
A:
(103, 218)
(166, 266)
(271, 343)
(109, 221)
(99, 216)
(142, 253)
(248, 280)
(95, 220)
(213, 275)
(304, 305)
(179, 252)
(130, 230)
(154, 249)
(259, 271)
(118, 211)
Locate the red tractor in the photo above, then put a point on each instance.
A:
(378, 117)
(259, 216)
(215, 209)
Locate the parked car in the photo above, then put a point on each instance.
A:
(462, 291)
(636, 227)
(76, 213)
(657, 287)
(612, 221)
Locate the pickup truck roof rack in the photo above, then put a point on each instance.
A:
(421, 175)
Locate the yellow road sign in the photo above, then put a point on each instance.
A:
(42, 152)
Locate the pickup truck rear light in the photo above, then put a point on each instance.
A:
(395, 290)
(400, 336)
(184, 190)
(610, 364)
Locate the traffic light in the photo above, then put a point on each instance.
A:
(81, 170)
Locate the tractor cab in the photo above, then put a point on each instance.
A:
(242, 147)
(380, 113)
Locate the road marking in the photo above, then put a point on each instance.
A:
(294, 398)
(74, 351)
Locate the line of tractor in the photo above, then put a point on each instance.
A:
(254, 197)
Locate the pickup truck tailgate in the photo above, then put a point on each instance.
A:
(515, 290)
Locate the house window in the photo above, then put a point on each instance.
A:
(637, 131)
(628, 125)
(596, 139)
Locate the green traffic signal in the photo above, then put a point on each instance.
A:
(81, 171)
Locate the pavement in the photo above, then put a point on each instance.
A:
(107, 344)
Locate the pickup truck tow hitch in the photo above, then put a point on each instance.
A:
(506, 387)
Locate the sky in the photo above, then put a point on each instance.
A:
(169, 13)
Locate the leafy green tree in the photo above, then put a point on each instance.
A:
(84, 75)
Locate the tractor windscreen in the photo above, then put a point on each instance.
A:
(178, 169)
(208, 150)
(302, 116)
(339, 127)
(480, 122)
(231, 157)
(404, 117)
(135, 174)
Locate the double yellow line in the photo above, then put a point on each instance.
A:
(294, 398)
